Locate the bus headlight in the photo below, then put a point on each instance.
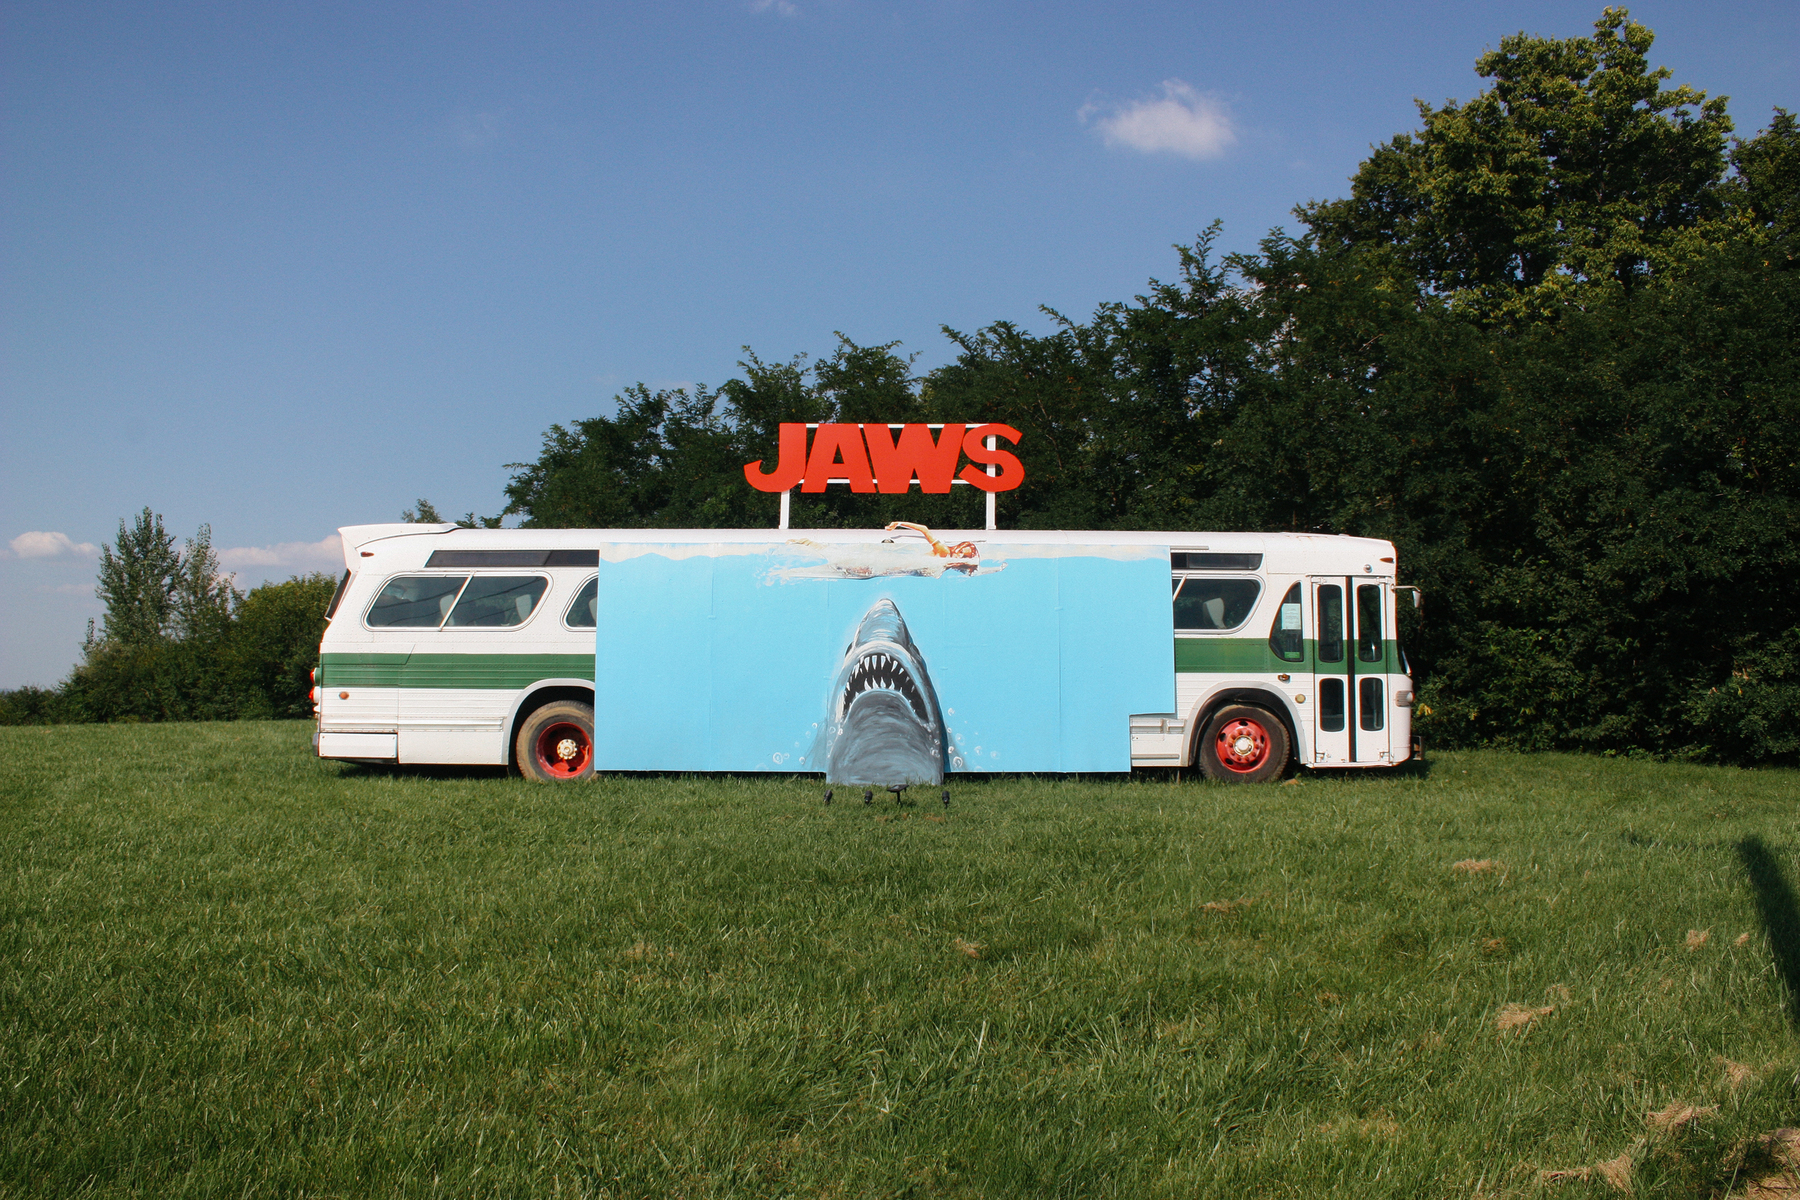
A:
(1403, 698)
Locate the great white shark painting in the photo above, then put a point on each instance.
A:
(882, 722)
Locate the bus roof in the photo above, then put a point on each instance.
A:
(402, 546)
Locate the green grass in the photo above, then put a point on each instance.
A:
(229, 969)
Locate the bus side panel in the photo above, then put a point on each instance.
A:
(1209, 664)
(359, 699)
(456, 707)
(1032, 658)
(1196, 696)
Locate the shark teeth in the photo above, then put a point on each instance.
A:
(884, 671)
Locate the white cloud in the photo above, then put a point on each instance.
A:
(326, 554)
(1181, 121)
(784, 8)
(37, 544)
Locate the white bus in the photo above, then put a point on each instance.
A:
(896, 655)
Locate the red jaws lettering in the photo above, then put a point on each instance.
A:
(789, 467)
(1012, 471)
(897, 460)
(838, 453)
(866, 454)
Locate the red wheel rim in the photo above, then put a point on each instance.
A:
(564, 750)
(1242, 745)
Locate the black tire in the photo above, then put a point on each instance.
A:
(1244, 744)
(556, 742)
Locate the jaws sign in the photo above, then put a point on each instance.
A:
(874, 458)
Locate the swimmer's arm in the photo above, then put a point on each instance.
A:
(937, 547)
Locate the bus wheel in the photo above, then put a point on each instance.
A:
(556, 742)
(1243, 744)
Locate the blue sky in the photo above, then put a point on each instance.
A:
(285, 268)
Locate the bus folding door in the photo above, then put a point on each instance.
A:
(1353, 653)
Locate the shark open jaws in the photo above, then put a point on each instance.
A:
(882, 725)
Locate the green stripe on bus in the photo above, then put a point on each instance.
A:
(360, 670)
(1217, 655)
(514, 671)
(496, 671)
(1388, 664)
(1231, 655)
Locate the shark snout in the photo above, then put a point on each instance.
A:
(882, 623)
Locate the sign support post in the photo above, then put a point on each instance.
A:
(992, 469)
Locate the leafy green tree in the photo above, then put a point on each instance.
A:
(424, 512)
(623, 470)
(1577, 167)
(163, 648)
(275, 643)
(203, 597)
(138, 583)
(1767, 186)
(33, 706)
(674, 458)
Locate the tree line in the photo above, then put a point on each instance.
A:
(1547, 345)
(179, 641)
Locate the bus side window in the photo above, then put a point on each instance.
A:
(415, 601)
(584, 608)
(1203, 603)
(1287, 640)
(1331, 622)
(1368, 622)
(497, 600)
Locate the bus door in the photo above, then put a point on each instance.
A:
(1349, 714)
(1331, 674)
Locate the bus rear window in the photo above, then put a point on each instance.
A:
(337, 597)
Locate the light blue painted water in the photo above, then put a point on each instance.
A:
(723, 661)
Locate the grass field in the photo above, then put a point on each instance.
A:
(229, 969)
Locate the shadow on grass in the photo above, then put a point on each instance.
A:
(365, 770)
(1412, 768)
(1779, 911)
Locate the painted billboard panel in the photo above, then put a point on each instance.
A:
(878, 663)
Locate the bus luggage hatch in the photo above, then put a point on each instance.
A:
(1158, 740)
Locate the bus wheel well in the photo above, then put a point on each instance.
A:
(1261, 697)
(537, 700)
